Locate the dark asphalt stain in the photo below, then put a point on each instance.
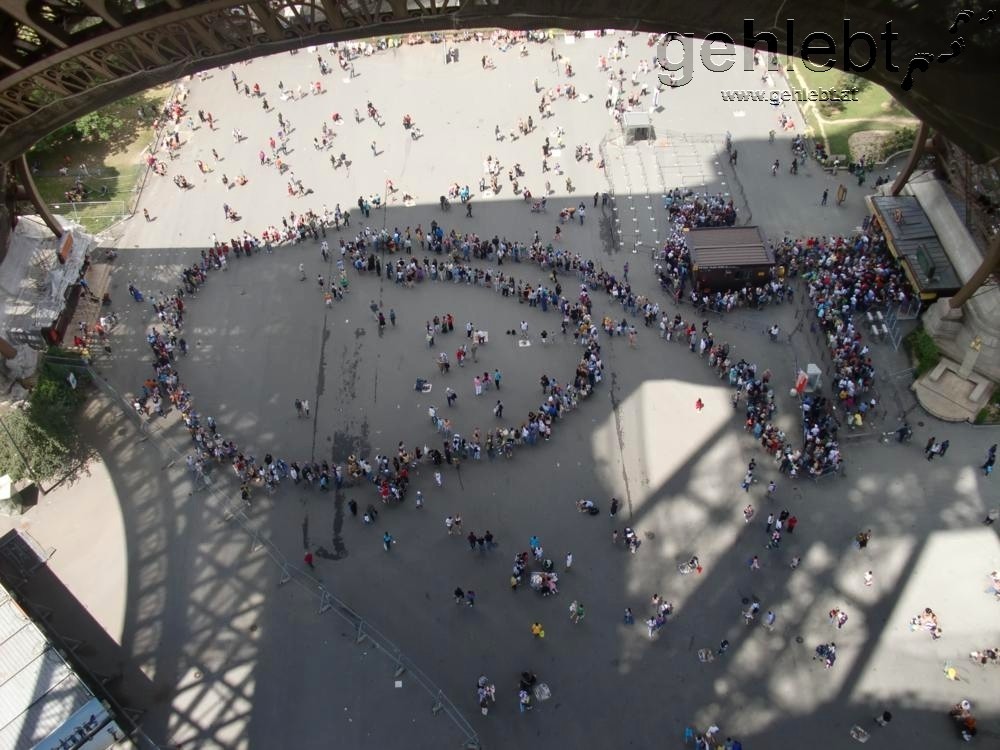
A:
(336, 539)
(607, 234)
(620, 434)
(349, 378)
(305, 532)
(320, 382)
(359, 332)
(346, 444)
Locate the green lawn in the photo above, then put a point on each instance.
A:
(111, 192)
(114, 162)
(874, 103)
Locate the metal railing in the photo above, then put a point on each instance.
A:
(86, 211)
(365, 632)
(616, 240)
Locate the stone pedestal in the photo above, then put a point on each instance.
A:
(943, 322)
(954, 330)
(969, 360)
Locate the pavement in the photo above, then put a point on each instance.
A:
(231, 658)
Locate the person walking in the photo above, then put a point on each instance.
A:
(308, 560)
(353, 507)
(497, 376)
(769, 619)
(826, 194)
(629, 618)
(569, 560)
(943, 448)
(537, 631)
(470, 598)
(754, 563)
(498, 409)
(468, 208)
(614, 507)
(748, 513)
(387, 541)
(374, 149)
(459, 595)
(927, 448)
(449, 523)
(869, 578)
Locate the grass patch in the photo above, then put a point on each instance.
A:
(876, 108)
(113, 156)
(874, 101)
(110, 195)
(923, 349)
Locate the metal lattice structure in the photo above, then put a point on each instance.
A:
(60, 59)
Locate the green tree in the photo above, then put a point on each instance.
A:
(42, 442)
(108, 124)
(853, 81)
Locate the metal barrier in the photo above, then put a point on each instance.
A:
(84, 211)
(616, 240)
(326, 601)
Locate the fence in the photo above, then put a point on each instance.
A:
(613, 221)
(93, 216)
(365, 633)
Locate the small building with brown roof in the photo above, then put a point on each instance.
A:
(724, 258)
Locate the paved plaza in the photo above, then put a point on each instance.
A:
(221, 654)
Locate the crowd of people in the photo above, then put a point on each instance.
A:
(388, 475)
(844, 278)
